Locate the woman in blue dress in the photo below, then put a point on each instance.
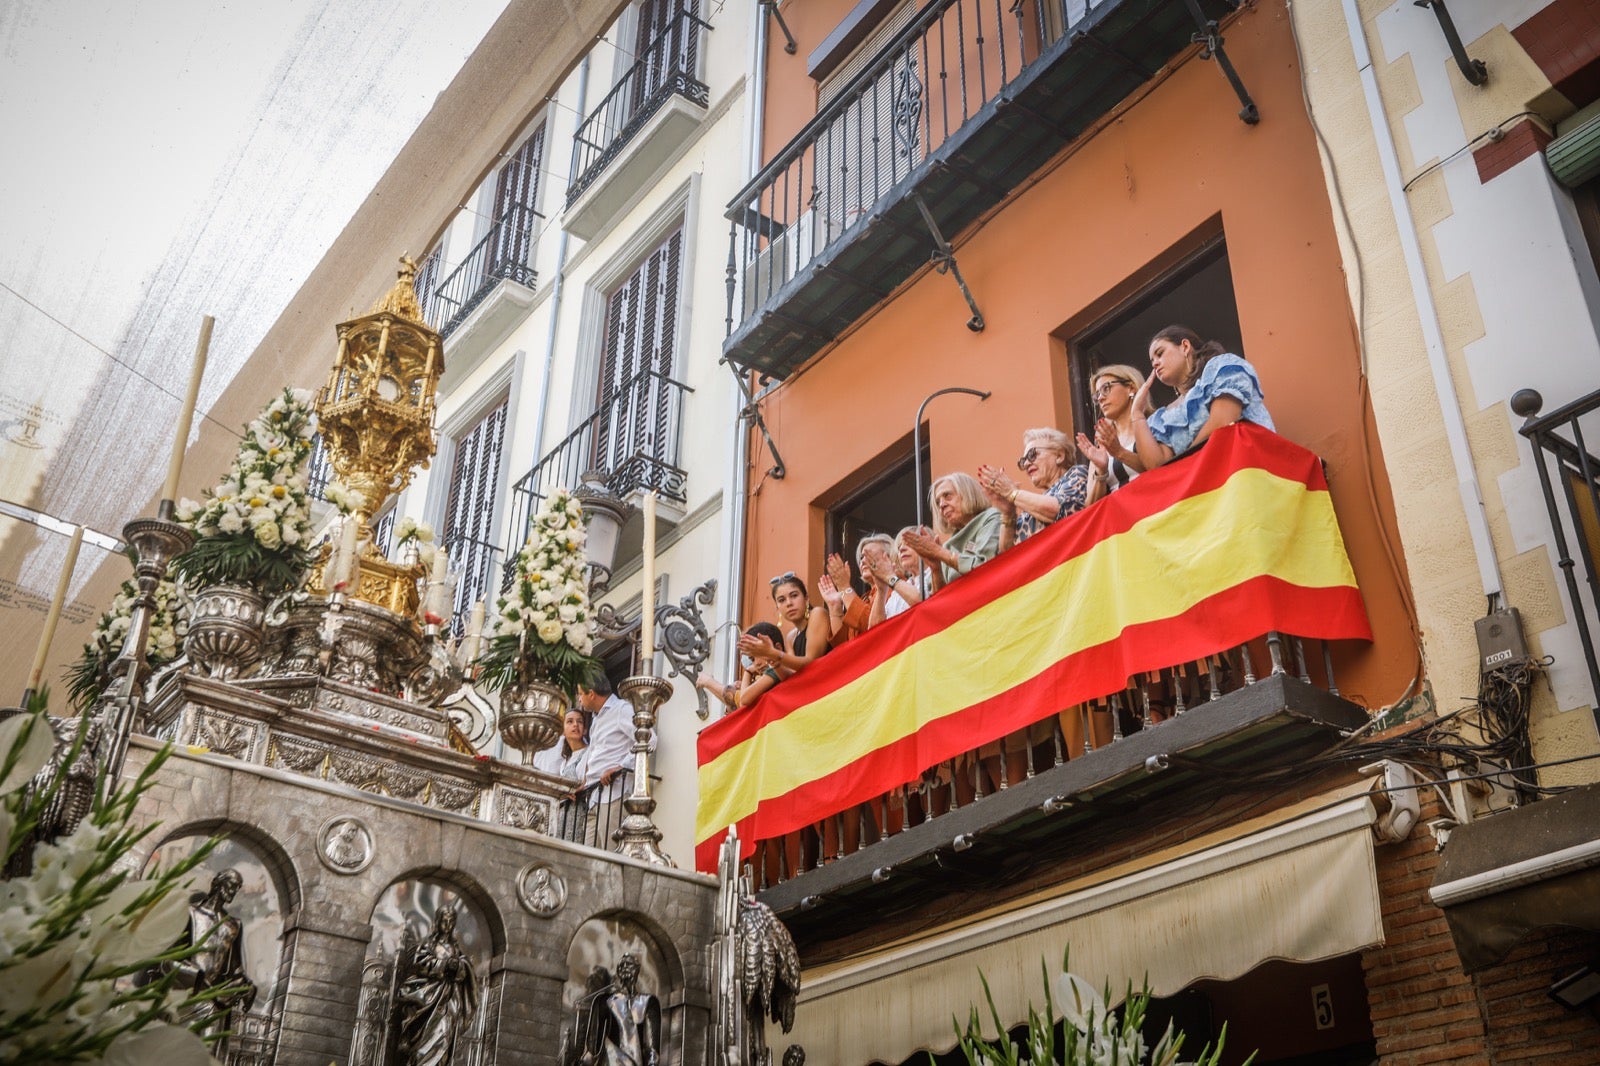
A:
(1215, 388)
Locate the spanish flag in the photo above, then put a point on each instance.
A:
(1189, 560)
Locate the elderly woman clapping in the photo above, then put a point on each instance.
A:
(968, 527)
(1059, 485)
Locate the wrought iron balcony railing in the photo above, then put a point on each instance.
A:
(668, 66)
(956, 110)
(502, 255)
(1572, 496)
(632, 436)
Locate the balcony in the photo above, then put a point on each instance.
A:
(991, 738)
(494, 277)
(653, 109)
(957, 110)
(632, 437)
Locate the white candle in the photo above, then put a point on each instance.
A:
(437, 587)
(36, 674)
(474, 633)
(648, 606)
(349, 562)
(169, 491)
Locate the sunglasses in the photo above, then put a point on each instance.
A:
(787, 575)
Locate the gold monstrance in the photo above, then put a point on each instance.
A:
(376, 419)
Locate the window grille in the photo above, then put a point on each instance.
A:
(469, 517)
(516, 196)
(640, 338)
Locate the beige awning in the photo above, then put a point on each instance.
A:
(1298, 885)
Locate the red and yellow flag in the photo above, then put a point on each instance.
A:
(1187, 561)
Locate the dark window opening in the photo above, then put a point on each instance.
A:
(1197, 293)
(886, 503)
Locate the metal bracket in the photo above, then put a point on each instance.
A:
(685, 640)
(1473, 70)
(789, 47)
(751, 412)
(944, 260)
(1211, 41)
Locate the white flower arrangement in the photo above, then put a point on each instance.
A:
(544, 628)
(254, 526)
(75, 927)
(343, 498)
(408, 529)
(169, 624)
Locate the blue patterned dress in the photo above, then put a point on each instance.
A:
(1069, 492)
(1177, 424)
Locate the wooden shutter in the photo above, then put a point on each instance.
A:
(427, 282)
(665, 45)
(516, 195)
(641, 336)
(876, 139)
(469, 516)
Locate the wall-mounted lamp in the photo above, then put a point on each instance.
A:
(1579, 989)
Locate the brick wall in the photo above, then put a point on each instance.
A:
(1564, 39)
(1425, 1009)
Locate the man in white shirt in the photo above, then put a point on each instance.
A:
(610, 769)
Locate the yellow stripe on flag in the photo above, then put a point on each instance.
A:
(1255, 524)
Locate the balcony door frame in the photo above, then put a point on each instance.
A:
(680, 210)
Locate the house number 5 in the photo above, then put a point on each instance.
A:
(1322, 1006)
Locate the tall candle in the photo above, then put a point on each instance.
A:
(647, 608)
(474, 633)
(435, 605)
(36, 674)
(349, 563)
(169, 491)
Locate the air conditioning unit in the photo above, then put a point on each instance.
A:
(779, 261)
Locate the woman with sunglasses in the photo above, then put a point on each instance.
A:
(806, 630)
(1060, 485)
(1112, 460)
(1215, 388)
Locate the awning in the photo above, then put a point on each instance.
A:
(1515, 873)
(1298, 885)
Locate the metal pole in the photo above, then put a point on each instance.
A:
(916, 438)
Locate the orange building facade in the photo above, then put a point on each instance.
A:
(1099, 171)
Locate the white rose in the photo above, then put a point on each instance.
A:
(230, 523)
(549, 631)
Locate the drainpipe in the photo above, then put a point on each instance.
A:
(1455, 426)
(734, 496)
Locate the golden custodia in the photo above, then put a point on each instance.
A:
(376, 419)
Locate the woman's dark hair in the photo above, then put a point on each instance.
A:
(768, 630)
(1204, 351)
(566, 746)
(790, 579)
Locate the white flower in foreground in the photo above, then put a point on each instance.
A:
(31, 754)
(1081, 1006)
(166, 1044)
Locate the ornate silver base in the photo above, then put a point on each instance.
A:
(638, 836)
(227, 628)
(531, 716)
(359, 644)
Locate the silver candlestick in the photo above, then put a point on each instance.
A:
(156, 542)
(639, 837)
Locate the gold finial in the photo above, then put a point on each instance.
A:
(402, 299)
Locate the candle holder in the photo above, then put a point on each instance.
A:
(155, 542)
(639, 838)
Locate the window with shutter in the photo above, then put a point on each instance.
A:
(876, 138)
(664, 46)
(636, 403)
(427, 283)
(469, 516)
(516, 196)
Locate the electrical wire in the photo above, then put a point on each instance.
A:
(1492, 133)
(122, 363)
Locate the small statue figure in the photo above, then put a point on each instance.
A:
(620, 1025)
(219, 964)
(437, 998)
(755, 967)
(794, 1055)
